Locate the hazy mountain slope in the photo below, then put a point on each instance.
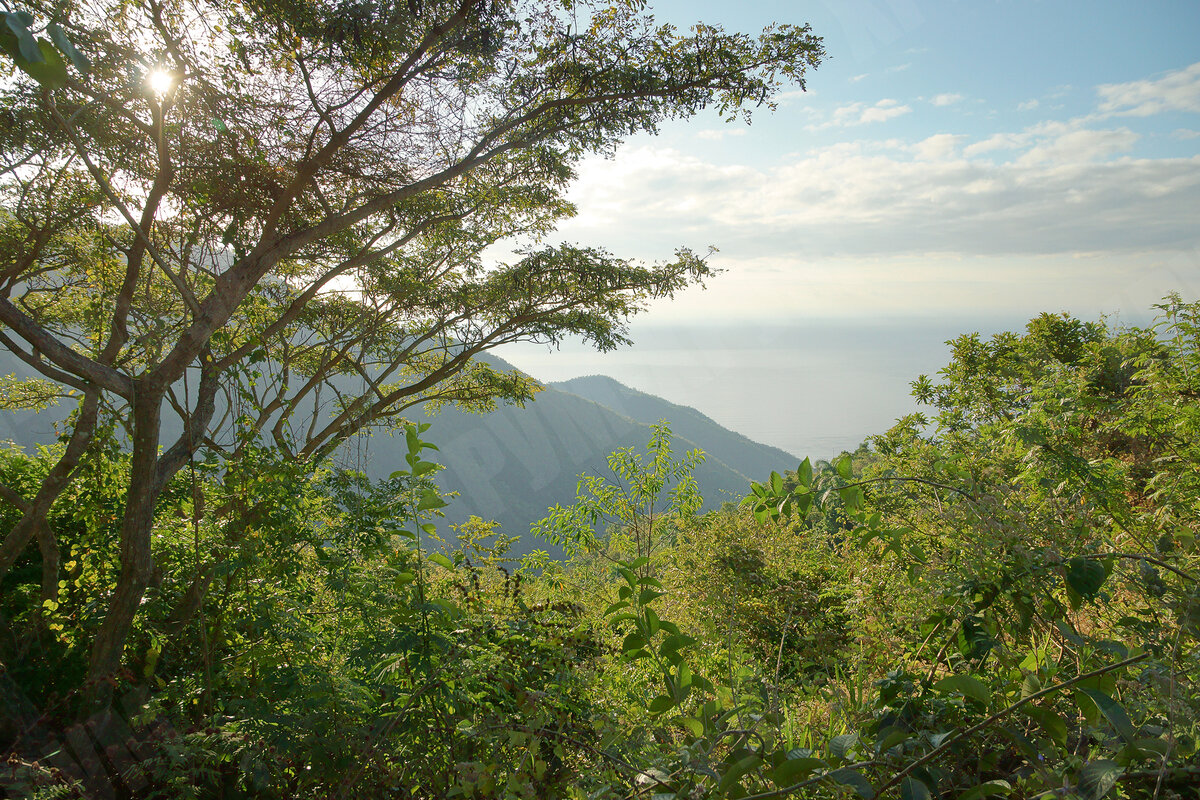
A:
(747, 456)
(513, 464)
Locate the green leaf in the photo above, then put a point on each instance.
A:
(844, 467)
(855, 780)
(966, 686)
(1113, 712)
(26, 45)
(661, 704)
(1050, 722)
(840, 746)
(893, 737)
(1085, 576)
(68, 49)
(804, 473)
(1097, 778)
(735, 773)
(441, 560)
(913, 789)
(50, 71)
(430, 500)
(674, 642)
(633, 642)
(776, 482)
(988, 789)
(795, 769)
(693, 726)
(424, 467)
(649, 595)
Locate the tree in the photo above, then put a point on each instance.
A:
(286, 201)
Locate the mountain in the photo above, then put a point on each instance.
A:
(512, 464)
(745, 455)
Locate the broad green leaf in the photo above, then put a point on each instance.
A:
(1097, 778)
(988, 789)
(441, 560)
(1050, 722)
(26, 44)
(634, 641)
(661, 704)
(776, 482)
(51, 70)
(804, 472)
(913, 789)
(794, 770)
(893, 737)
(1113, 712)
(735, 773)
(855, 780)
(68, 49)
(649, 595)
(840, 746)
(844, 467)
(966, 686)
(693, 726)
(1085, 576)
(674, 642)
(651, 621)
(430, 500)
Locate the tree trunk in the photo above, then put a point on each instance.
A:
(136, 558)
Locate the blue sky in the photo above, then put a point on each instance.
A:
(1000, 156)
(973, 163)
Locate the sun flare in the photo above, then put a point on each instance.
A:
(160, 81)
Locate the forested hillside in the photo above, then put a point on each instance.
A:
(998, 599)
(510, 464)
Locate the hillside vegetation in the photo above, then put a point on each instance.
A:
(237, 235)
(998, 599)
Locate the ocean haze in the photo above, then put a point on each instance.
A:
(811, 388)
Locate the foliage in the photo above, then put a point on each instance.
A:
(237, 223)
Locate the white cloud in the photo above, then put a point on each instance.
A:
(718, 134)
(852, 114)
(1081, 146)
(946, 99)
(938, 147)
(898, 68)
(1175, 91)
(1028, 105)
(1184, 134)
(868, 199)
(857, 78)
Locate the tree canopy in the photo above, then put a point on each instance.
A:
(249, 215)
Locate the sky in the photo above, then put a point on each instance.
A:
(952, 166)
